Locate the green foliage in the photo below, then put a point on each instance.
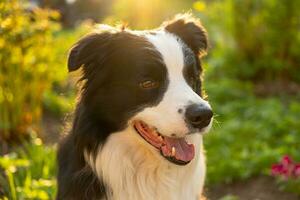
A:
(33, 72)
(25, 70)
(251, 41)
(29, 173)
(250, 133)
(255, 40)
(60, 97)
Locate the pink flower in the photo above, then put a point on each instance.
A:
(286, 161)
(286, 168)
(297, 170)
(277, 169)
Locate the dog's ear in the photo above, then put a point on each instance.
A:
(190, 31)
(88, 48)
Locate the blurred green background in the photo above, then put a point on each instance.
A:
(252, 78)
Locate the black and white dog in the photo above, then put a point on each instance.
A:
(138, 125)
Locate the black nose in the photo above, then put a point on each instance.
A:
(198, 115)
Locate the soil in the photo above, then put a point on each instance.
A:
(256, 188)
(276, 88)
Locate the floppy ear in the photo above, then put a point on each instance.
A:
(191, 32)
(86, 51)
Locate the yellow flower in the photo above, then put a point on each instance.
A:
(199, 5)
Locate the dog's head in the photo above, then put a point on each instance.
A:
(149, 80)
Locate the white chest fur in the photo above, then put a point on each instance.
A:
(134, 170)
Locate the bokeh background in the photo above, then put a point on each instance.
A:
(252, 78)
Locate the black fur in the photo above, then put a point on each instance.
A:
(194, 35)
(190, 30)
(113, 65)
(113, 62)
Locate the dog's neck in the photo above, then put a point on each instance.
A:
(132, 170)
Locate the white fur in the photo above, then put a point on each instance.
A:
(135, 170)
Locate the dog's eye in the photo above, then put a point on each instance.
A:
(149, 84)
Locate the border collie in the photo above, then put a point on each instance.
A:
(138, 125)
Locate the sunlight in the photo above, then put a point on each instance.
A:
(145, 13)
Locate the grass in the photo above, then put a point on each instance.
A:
(29, 172)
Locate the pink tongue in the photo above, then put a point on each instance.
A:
(184, 151)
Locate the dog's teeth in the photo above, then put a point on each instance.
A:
(173, 151)
(155, 133)
(160, 138)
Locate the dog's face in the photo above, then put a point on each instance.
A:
(149, 80)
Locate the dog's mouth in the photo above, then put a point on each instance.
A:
(176, 150)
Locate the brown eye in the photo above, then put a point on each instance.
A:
(149, 84)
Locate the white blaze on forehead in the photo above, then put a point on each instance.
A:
(178, 91)
(171, 51)
(178, 95)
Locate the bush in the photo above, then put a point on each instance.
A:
(255, 40)
(250, 133)
(59, 99)
(26, 66)
(251, 41)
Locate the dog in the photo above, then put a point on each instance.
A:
(141, 115)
